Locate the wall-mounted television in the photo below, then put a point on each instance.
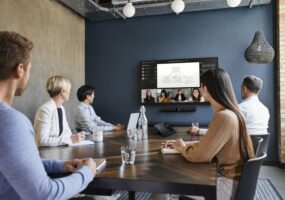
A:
(176, 81)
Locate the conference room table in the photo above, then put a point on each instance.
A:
(152, 172)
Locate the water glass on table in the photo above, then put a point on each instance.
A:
(128, 154)
(194, 128)
(98, 136)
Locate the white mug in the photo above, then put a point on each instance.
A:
(97, 136)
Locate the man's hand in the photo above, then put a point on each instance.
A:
(78, 137)
(194, 130)
(89, 162)
(119, 127)
(72, 165)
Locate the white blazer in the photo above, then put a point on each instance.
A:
(46, 126)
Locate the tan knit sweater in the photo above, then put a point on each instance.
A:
(221, 141)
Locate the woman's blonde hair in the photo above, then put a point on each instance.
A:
(57, 83)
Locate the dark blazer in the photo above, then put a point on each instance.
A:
(183, 98)
(149, 100)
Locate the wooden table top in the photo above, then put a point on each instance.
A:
(157, 172)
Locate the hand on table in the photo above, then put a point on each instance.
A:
(89, 162)
(78, 137)
(118, 127)
(177, 144)
(194, 130)
(72, 165)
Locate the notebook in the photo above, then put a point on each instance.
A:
(169, 151)
(133, 120)
(100, 164)
(82, 143)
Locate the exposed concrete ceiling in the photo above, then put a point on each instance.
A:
(100, 10)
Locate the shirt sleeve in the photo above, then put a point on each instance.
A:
(85, 120)
(219, 132)
(55, 166)
(22, 167)
(43, 127)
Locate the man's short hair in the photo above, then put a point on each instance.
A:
(83, 91)
(253, 83)
(14, 50)
(57, 83)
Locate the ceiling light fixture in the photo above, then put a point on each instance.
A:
(129, 10)
(177, 6)
(233, 3)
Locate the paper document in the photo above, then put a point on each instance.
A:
(82, 143)
(100, 164)
(169, 151)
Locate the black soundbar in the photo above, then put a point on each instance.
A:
(178, 109)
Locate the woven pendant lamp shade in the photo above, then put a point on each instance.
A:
(259, 51)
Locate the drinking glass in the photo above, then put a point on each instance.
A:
(195, 127)
(128, 154)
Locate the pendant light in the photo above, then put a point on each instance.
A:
(129, 10)
(259, 51)
(178, 6)
(233, 3)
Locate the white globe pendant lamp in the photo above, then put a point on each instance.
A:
(177, 6)
(233, 3)
(129, 10)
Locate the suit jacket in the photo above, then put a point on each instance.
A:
(183, 98)
(46, 126)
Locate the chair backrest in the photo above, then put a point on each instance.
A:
(248, 180)
(257, 143)
(264, 145)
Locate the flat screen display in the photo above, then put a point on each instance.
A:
(178, 75)
(175, 81)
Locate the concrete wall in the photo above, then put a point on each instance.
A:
(58, 36)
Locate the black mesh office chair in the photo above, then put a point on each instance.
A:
(249, 177)
(264, 145)
(248, 180)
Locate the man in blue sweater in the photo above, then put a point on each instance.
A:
(23, 174)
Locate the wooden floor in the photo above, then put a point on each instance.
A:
(277, 177)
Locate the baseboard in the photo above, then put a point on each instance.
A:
(281, 165)
(270, 163)
(273, 163)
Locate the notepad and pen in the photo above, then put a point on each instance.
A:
(81, 143)
(168, 150)
(165, 149)
(100, 164)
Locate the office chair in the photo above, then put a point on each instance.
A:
(257, 143)
(249, 177)
(248, 180)
(264, 145)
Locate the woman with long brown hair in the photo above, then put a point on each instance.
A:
(226, 139)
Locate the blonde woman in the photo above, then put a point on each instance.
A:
(50, 122)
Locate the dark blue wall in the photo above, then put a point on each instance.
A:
(114, 49)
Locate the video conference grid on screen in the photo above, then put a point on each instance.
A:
(173, 81)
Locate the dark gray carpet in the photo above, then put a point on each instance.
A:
(265, 190)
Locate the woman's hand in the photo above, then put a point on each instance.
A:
(178, 144)
(78, 137)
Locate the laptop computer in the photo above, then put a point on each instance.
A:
(133, 120)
